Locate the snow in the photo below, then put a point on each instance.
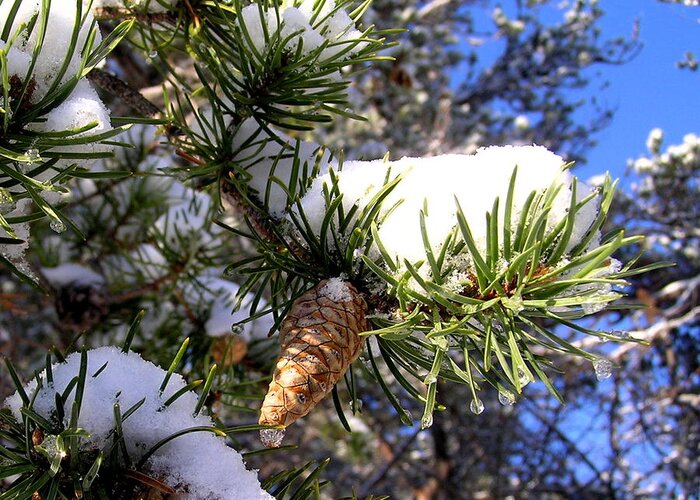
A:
(81, 108)
(59, 30)
(294, 20)
(200, 461)
(337, 290)
(188, 218)
(221, 296)
(654, 140)
(69, 273)
(15, 253)
(308, 23)
(256, 25)
(17, 61)
(475, 181)
(264, 156)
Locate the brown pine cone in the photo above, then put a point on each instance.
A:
(228, 350)
(319, 340)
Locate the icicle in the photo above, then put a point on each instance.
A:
(524, 377)
(357, 409)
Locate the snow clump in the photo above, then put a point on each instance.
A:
(308, 23)
(55, 48)
(199, 465)
(269, 160)
(439, 184)
(82, 107)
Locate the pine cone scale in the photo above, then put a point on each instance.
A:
(319, 339)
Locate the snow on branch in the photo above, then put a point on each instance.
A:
(153, 406)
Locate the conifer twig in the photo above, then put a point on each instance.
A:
(122, 90)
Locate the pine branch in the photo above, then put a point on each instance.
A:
(118, 88)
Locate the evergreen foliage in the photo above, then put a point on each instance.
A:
(204, 204)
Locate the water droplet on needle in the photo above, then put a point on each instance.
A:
(271, 438)
(603, 368)
(57, 225)
(506, 398)
(32, 155)
(476, 406)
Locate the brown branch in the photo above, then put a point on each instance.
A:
(117, 13)
(122, 90)
(259, 221)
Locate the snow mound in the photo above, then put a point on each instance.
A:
(200, 461)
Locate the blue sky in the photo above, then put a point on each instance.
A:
(649, 91)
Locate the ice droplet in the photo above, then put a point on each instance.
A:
(523, 377)
(426, 421)
(32, 155)
(366, 363)
(271, 438)
(431, 378)
(57, 225)
(621, 334)
(358, 408)
(6, 204)
(153, 54)
(506, 398)
(593, 307)
(476, 406)
(603, 368)
(236, 329)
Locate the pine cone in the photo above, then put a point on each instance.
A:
(228, 350)
(319, 340)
